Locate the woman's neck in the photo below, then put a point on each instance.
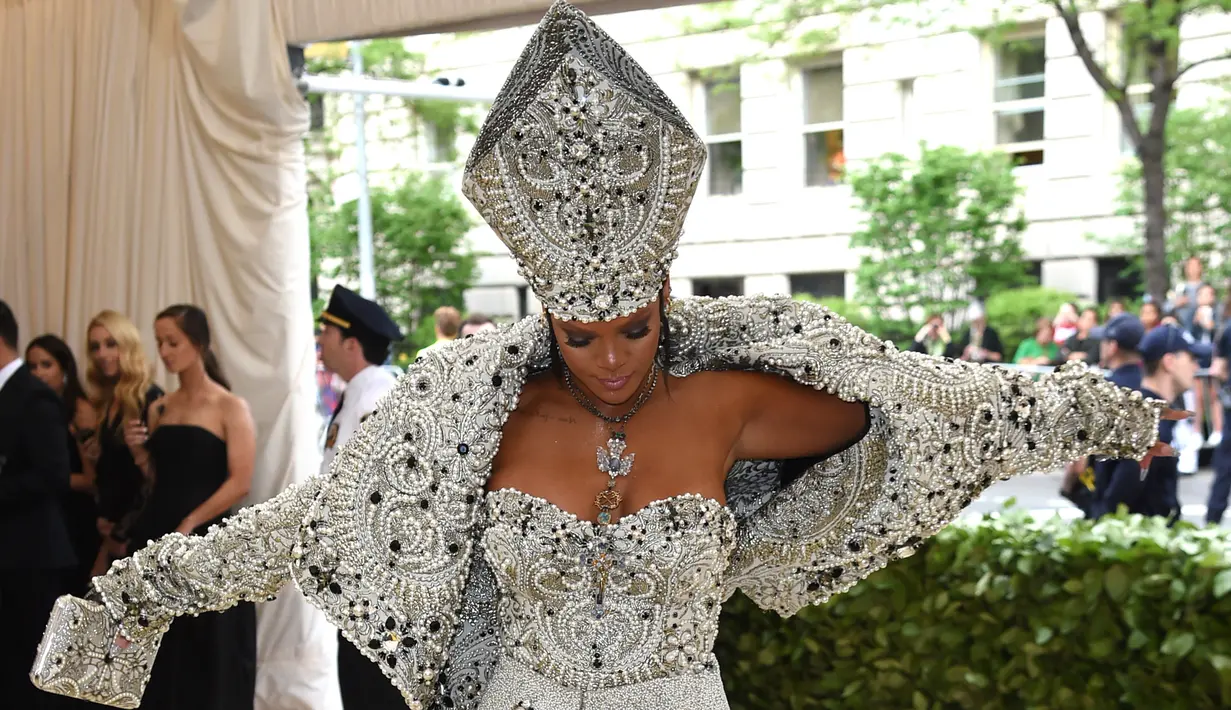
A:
(194, 379)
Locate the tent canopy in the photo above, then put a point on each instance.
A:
(306, 21)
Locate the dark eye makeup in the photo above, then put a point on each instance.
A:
(636, 332)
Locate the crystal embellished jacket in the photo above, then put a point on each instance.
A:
(388, 544)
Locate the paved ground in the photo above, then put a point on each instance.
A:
(1040, 494)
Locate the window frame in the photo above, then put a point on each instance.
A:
(1134, 92)
(1019, 106)
(821, 127)
(703, 85)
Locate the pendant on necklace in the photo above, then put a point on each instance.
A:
(612, 462)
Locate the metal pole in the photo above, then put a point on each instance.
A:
(367, 276)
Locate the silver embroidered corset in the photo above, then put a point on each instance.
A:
(592, 606)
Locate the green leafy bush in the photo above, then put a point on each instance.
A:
(1013, 313)
(1005, 613)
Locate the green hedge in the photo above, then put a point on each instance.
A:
(1005, 613)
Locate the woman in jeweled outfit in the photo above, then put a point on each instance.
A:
(551, 515)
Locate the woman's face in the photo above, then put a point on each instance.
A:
(1044, 332)
(611, 359)
(1206, 296)
(176, 351)
(46, 368)
(104, 351)
(1149, 315)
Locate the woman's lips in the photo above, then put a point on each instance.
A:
(615, 384)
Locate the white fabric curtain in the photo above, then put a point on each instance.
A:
(150, 154)
(307, 21)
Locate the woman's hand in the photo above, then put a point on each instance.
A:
(100, 562)
(1159, 448)
(135, 434)
(186, 526)
(91, 450)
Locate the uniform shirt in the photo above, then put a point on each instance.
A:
(1223, 350)
(362, 394)
(1159, 489)
(1117, 481)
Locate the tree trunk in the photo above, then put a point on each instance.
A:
(1158, 276)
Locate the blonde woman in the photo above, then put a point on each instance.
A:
(121, 380)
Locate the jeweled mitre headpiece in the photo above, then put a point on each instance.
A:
(585, 170)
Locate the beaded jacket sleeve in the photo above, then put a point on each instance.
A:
(941, 431)
(245, 558)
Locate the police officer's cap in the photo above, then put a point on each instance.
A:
(359, 317)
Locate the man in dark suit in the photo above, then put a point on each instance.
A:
(35, 551)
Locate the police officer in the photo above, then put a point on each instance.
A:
(355, 337)
(1129, 353)
(1216, 506)
(1171, 357)
(1118, 340)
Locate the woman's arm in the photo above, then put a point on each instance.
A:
(84, 422)
(240, 435)
(782, 419)
(136, 434)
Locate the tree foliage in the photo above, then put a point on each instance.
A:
(420, 257)
(938, 231)
(1198, 163)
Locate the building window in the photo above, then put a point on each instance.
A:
(722, 130)
(824, 284)
(316, 112)
(1142, 109)
(718, 287)
(1137, 83)
(1119, 277)
(1018, 98)
(1034, 271)
(441, 142)
(824, 140)
(523, 296)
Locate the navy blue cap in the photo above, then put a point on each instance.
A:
(360, 317)
(1167, 339)
(1125, 329)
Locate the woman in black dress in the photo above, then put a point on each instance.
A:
(52, 361)
(123, 388)
(198, 451)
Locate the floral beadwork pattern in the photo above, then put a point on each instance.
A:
(598, 606)
(585, 170)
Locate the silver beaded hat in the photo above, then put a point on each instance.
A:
(585, 170)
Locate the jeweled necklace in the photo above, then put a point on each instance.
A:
(612, 460)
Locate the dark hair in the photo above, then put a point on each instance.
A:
(8, 326)
(63, 355)
(476, 319)
(448, 321)
(375, 349)
(664, 342)
(1153, 366)
(195, 326)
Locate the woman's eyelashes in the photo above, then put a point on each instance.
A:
(637, 334)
